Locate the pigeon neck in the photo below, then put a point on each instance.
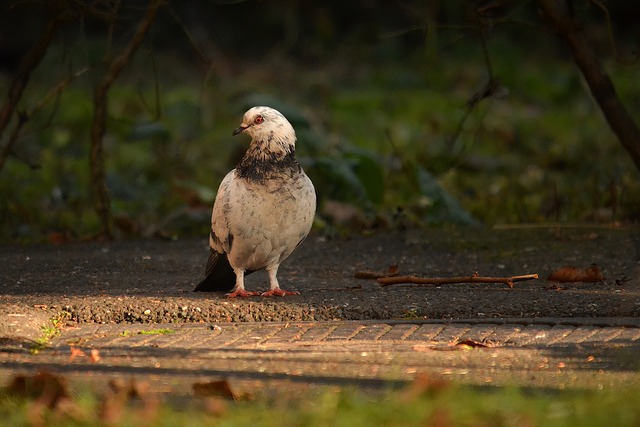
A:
(267, 165)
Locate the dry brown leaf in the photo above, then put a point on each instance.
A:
(58, 237)
(215, 406)
(421, 385)
(132, 389)
(47, 390)
(121, 394)
(469, 343)
(43, 386)
(75, 352)
(220, 388)
(571, 274)
(95, 355)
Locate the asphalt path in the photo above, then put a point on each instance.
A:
(132, 303)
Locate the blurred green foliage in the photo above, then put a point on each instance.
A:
(374, 125)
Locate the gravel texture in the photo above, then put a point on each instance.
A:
(152, 281)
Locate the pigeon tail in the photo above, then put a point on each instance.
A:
(220, 276)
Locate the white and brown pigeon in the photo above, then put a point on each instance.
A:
(263, 210)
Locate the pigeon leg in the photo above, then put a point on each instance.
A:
(238, 289)
(274, 286)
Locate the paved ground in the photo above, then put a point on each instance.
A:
(131, 303)
(259, 356)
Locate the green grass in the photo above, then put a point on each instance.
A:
(161, 331)
(49, 332)
(436, 405)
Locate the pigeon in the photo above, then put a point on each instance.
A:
(263, 210)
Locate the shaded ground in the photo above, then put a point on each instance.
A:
(132, 303)
(263, 357)
(152, 281)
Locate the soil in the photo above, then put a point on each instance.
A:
(149, 281)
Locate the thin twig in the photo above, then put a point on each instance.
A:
(612, 39)
(509, 281)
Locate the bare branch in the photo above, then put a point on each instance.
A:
(96, 159)
(599, 82)
(19, 83)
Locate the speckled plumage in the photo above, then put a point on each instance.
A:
(263, 210)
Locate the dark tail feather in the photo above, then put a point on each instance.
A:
(220, 277)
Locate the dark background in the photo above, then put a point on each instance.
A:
(378, 91)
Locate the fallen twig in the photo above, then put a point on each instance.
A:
(509, 281)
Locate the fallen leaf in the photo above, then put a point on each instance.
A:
(469, 344)
(132, 389)
(75, 352)
(118, 399)
(95, 355)
(47, 389)
(58, 237)
(220, 388)
(421, 385)
(573, 274)
(215, 406)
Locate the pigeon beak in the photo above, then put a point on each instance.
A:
(241, 129)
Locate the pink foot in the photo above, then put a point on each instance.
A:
(242, 294)
(277, 292)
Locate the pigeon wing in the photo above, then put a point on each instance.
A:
(219, 275)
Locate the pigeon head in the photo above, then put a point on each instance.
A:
(269, 130)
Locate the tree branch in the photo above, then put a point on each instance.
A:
(96, 159)
(29, 62)
(599, 82)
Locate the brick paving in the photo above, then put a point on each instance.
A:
(372, 353)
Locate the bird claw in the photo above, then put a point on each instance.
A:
(278, 293)
(242, 294)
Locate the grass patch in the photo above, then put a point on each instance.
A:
(161, 331)
(49, 332)
(426, 404)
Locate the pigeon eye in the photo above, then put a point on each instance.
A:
(258, 120)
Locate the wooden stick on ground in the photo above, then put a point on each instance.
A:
(509, 281)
